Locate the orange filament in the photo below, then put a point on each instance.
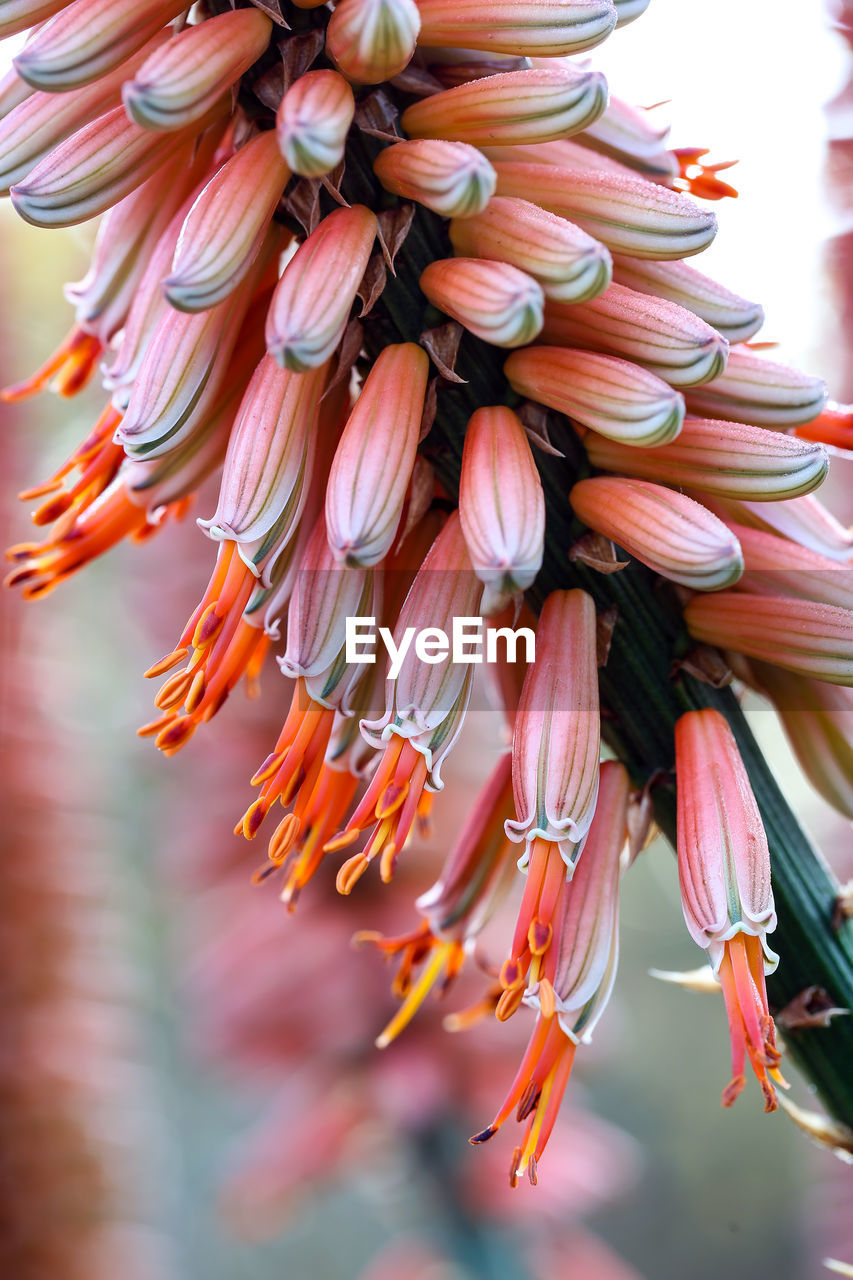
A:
(535, 1094)
(536, 939)
(750, 1024)
(701, 179)
(98, 459)
(389, 806)
(70, 368)
(420, 947)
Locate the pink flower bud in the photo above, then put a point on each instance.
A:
(372, 40)
(18, 15)
(664, 338)
(776, 566)
(568, 263)
(312, 301)
(95, 168)
(734, 317)
(630, 215)
(312, 122)
(543, 28)
(629, 135)
(497, 302)
(619, 400)
(756, 390)
(724, 458)
(665, 530)
(724, 871)
(803, 520)
(555, 746)
(512, 107)
(501, 505)
(453, 179)
(803, 636)
(13, 91)
(181, 81)
(373, 462)
(90, 37)
(223, 231)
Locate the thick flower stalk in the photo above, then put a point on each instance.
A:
(724, 870)
(413, 288)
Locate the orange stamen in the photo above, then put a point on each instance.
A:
(71, 365)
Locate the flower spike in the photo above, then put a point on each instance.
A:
(724, 871)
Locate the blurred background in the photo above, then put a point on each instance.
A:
(187, 1085)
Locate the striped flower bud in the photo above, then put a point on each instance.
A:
(373, 462)
(501, 505)
(311, 304)
(226, 226)
(675, 536)
(804, 636)
(568, 263)
(776, 566)
(543, 28)
(617, 399)
(268, 464)
(734, 317)
(372, 40)
(495, 301)
(88, 38)
(452, 179)
(312, 122)
(725, 458)
(628, 10)
(555, 745)
(515, 106)
(43, 120)
(13, 91)
(95, 168)
(724, 872)
(627, 134)
(630, 215)
(759, 391)
(804, 520)
(181, 81)
(662, 337)
(17, 15)
(818, 721)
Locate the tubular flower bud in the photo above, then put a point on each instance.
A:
(613, 397)
(626, 133)
(724, 872)
(268, 464)
(501, 506)
(628, 10)
(89, 38)
(729, 459)
(756, 390)
(373, 462)
(568, 263)
(803, 520)
(511, 107)
(734, 317)
(665, 530)
(818, 721)
(181, 81)
(662, 337)
(311, 304)
(43, 120)
(424, 710)
(497, 302)
(569, 1006)
(184, 368)
(804, 636)
(224, 230)
(630, 215)
(544, 28)
(94, 169)
(453, 179)
(312, 122)
(372, 40)
(775, 566)
(556, 739)
(474, 880)
(17, 15)
(13, 91)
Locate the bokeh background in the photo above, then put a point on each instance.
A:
(187, 1087)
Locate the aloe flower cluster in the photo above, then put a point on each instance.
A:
(381, 267)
